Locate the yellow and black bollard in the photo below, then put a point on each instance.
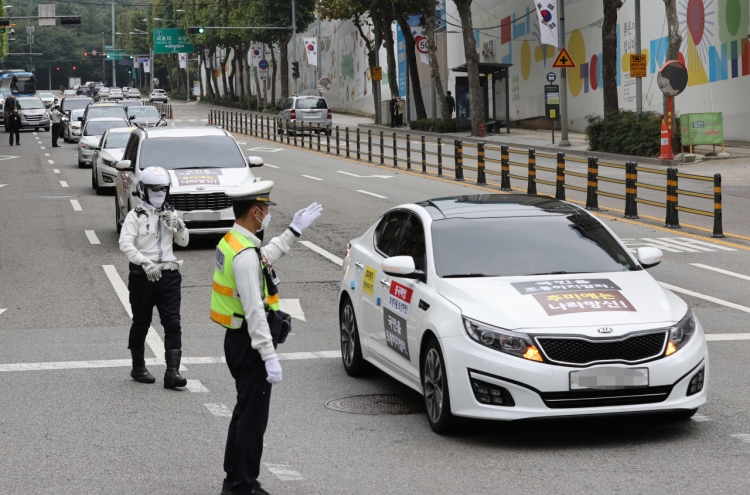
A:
(718, 227)
(459, 159)
(504, 169)
(531, 184)
(592, 198)
(481, 178)
(560, 182)
(631, 190)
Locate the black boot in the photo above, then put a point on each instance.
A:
(226, 487)
(172, 376)
(140, 373)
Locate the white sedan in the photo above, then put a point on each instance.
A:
(513, 306)
(106, 155)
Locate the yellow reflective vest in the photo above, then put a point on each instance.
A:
(226, 306)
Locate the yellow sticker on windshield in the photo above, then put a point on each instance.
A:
(368, 281)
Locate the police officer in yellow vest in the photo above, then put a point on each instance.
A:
(244, 288)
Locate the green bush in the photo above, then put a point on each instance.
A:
(433, 125)
(623, 133)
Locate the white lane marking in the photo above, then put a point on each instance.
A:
(267, 150)
(695, 243)
(46, 154)
(283, 471)
(365, 176)
(63, 183)
(269, 165)
(700, 418)
(372, 194)
(76, 205)
(55, 170)
(34, 133)
(51, 162)
(42, 147)
(681, 244)
(92, 237)
(292, 307)
(707, 298)
(669, 247)
(745, 437)
(311, 177)
(720, 270)
(3, 185)
(3, 311)
(152, 338)
(322, 252)
(715, 337)
(196, 386)
(219, 410)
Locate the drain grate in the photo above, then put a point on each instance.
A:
(378, 404)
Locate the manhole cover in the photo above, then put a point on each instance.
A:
(378, 404)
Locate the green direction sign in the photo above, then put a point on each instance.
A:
(702, 128)
(171, 41)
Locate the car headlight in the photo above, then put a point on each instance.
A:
(515, 343)
(680, 334)
(84, 146)
(109, 163)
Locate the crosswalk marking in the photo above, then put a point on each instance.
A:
(196, 386)
(91, 235)
(283, 471)
(720, 270)
(292, 307)
(675, 244)
(700, 418)
(219, 410)
(76, 205)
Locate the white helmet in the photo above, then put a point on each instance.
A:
(153, 177)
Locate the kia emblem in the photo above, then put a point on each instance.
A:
(605, 330)
(200, 188)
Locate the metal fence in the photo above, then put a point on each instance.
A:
(628, 184)
(163, 108)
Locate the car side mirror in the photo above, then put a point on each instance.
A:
(254, 161)
(402, 267)
(124, 165)
(79, 119)
(649, 256)
(131, 117)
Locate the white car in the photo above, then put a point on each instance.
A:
(72, 126)
(48, 98)
(203, 162)
(103, 93)
(69, 92)
(115, 94)
(108, 153)
(514, 306)
(91, 135)
(158, 95)
(134, 93)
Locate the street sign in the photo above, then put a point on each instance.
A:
(377, 73)
(563, 60)
(109, 47)
(551, 76)
(637, 65)
(142, 60)
(47, 15)
(173, 40)
(552, 102)
(94, 53)
(263, 64)
(125, 62)
(263, 74)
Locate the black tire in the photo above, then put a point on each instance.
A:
(351, 349)
(81, 164)
(435, 389)
(46, 129)
(117, 215)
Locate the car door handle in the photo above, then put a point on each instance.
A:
(359, 265)
(386, 282)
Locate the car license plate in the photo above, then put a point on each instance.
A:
(608, 378)
(202, 216)
(313, 114)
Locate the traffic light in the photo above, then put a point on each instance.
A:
(74, 67)
(2, 30)
(195, 30)
(85, 54)
(58, 68)
(76, 19)
(295, 70)
(4, 21)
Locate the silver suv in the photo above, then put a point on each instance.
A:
(310, 110)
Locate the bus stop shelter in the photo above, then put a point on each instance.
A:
(500, 115)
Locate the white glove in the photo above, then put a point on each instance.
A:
(172, 221)
(273, 369)
(153, 272)
(305, 217)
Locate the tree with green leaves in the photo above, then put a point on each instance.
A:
(4, 37)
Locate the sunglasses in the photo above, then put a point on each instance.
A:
(157, 188)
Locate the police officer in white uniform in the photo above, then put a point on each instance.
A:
(239, 301)
(146, 239)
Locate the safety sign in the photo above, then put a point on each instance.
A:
(563, 60)
(394, 318)
(368, 281)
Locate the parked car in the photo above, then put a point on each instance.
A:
(32, 111)
(134, 93)
(310, 110)
(71, 125)
(48, 98)
(145, 116)
(108, 153)
(158, 95)
(93, 130)
(115, 94)
(203, 162)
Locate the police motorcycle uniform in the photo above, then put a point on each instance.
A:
(146, 240)
(244, 298)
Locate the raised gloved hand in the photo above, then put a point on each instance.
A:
(153, 272)
(172, 221)
(305, 217)
(273, 370)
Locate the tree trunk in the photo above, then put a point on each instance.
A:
(273, 76)
(201, 63)
(609, 56)
(250, 93)
(241, 54)
(284, 56)
(390, 57)
(470, 52)
(232, 72)
(224, 73)
(673, 51)
(411, 58)
(257, 85)
(209, 85)
(371, 47)
(429, 14)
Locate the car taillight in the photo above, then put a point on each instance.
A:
(292, 114)
(330, 114)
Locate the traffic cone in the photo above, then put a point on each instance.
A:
(666, 143)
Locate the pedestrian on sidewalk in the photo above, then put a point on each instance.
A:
(244, 297)
(56, 118)
(392, 107)
(451, 103)
(14, 126)
(146, 239)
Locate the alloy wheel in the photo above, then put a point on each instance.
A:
(433, 385)
(348, 335)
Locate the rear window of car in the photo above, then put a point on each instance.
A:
(99, 128)
(311, 103)
(114, 111)
(143, 112)
(75, 103)
(130, 103)
(521, 246)
(191, 152)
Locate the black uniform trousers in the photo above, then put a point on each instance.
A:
(165, 295)
(250, 416)
(55, 133)
(13, 131)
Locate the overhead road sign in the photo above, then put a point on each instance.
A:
(563, 60)
(172, 40)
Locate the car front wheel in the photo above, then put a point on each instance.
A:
(351, 349)
(435, 389)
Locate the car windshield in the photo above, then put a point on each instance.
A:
(518, 246)
(310, 103)
(114, 111)
(99, 128)
(30, 103)
(118, 140)
(75, 103)
(143, 112)
(191, 152)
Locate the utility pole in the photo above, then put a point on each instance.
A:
(320, 37)
(188, 88)
(104, 65)
(563, 84)
(294, 35)
(638, 80)
(114, 75)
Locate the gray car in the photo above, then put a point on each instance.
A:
(145, 116)
(308, 110)
(92, 133)
(33, 113)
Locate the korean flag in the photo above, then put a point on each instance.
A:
(311, 47)
(256, 54)
(546, 12)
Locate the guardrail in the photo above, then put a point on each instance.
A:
(276, 129)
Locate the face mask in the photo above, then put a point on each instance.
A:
(266, 220)
(157, 198)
